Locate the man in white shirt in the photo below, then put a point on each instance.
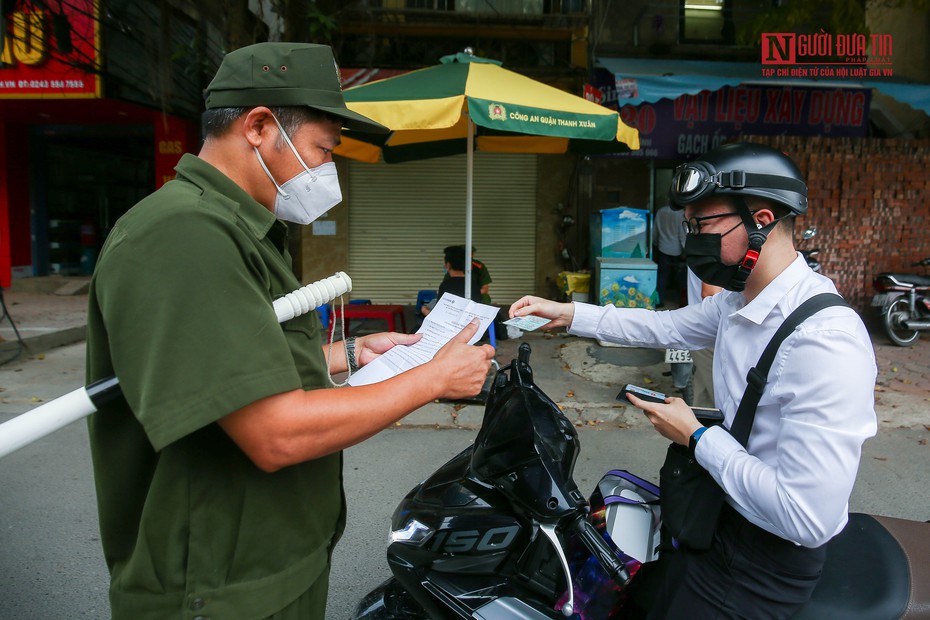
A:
(788, 491)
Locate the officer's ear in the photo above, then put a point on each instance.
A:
(258, 126)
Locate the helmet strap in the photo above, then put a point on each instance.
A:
(757, 237)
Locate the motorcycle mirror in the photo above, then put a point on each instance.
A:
(810, 232)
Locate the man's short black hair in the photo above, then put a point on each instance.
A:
(783, 214)
(216, 121)
(455, 256)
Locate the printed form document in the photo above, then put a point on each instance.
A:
(450, 316)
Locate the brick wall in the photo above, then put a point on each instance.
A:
(870, 201)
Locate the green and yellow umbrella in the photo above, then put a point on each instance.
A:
(468, 103)
(428, 112)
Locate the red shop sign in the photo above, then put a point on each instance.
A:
(52, 56)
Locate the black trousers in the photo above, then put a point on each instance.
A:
(747, 573)
(665, 268)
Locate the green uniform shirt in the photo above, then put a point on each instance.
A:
(181, 311)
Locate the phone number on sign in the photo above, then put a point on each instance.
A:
(46, 84)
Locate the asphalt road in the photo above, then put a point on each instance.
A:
(51, 561)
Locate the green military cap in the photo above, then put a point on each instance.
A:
(284, 74)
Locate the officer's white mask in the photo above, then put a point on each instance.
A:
(308, 195)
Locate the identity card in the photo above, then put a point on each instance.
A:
(527, 323)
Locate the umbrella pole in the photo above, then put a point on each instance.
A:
(469, 176)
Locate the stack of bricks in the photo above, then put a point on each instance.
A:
(870, 202)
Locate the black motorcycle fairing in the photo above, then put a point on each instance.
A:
(477, 573)
(470, 534)
(447, 487)
(526, 447)
(389, 601)
(451, 596)
(475, 540)
(483, 541)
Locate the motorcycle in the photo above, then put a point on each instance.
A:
(903, 304)
(501, 531)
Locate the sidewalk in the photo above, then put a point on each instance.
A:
(578, 374)
(47, 313)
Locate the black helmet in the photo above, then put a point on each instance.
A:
(740, 169)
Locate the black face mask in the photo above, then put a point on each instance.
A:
(703, 258)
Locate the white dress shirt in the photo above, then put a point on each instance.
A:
(694, 288)
(817, 409)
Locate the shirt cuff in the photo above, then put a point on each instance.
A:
(714, 450)
(585, 320)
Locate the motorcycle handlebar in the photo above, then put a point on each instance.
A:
(599, 548)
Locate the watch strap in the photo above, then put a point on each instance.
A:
(693, 440)
(350, 354)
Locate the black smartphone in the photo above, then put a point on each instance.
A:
(708, 416)
(641, 393)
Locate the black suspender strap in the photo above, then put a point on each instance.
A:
(758, 375)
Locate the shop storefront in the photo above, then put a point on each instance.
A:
(401, 216)
(72, 160)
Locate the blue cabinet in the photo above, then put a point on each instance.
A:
(627, 282)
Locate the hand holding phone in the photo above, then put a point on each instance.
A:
(708, 416)
(640, 393)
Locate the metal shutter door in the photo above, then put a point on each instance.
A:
(401, 216)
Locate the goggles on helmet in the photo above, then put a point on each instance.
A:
(696, 180)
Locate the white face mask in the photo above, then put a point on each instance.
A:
(307, 196)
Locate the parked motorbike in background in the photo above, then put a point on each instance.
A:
(810, 255)
(903, 304)
(501, 532)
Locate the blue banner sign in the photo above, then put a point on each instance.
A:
(690, 125)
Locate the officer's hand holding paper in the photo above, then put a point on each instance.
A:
(450, 316)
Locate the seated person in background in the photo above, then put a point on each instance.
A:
(454, 281)
(479, 273)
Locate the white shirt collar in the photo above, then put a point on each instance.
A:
(761, 307)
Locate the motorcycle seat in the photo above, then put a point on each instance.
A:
(869, 575)
(907, 278)
(914, 538)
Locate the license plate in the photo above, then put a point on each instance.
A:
(677, 356)
(880, 299)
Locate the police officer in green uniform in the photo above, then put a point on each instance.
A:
(219, 474)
